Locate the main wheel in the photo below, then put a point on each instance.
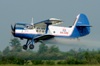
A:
(31, 46)
(25, 47)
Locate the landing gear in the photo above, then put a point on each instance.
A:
(31, 46)
(29, 43)
(25, 47)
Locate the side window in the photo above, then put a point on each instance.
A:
(53, 31)
(30, 27)
(40, 30)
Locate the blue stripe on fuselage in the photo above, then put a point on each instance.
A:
(26, 36)
(19, 28)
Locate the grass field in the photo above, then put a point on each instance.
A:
(48, 65)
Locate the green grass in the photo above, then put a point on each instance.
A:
(49, 65)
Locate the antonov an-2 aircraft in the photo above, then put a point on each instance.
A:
(47, 29)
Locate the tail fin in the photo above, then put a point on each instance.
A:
(81, 26)
(82, 20)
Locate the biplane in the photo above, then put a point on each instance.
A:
(49, 29)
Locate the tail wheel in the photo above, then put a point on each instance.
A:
(31, 46)
(25, 47)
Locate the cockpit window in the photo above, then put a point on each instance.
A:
(30, 26)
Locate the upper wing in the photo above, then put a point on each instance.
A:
(51, 21)
(44, 37)
(21, 23)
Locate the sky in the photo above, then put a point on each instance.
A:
(12, 11)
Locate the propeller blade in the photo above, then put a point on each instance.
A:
(12, 28)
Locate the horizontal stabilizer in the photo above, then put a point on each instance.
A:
(84, 25)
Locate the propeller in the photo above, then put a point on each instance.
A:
(13, 29)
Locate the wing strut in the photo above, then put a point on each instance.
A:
(47, 27)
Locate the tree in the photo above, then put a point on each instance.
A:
(0, 54)
(53, 48)
(42, 48)
(6, 50)
(16, 45)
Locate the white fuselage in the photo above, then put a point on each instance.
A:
(52, 30)
(60, 31)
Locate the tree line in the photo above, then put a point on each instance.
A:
(14, 54)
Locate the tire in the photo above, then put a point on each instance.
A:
(31, 46)
(25, 47)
